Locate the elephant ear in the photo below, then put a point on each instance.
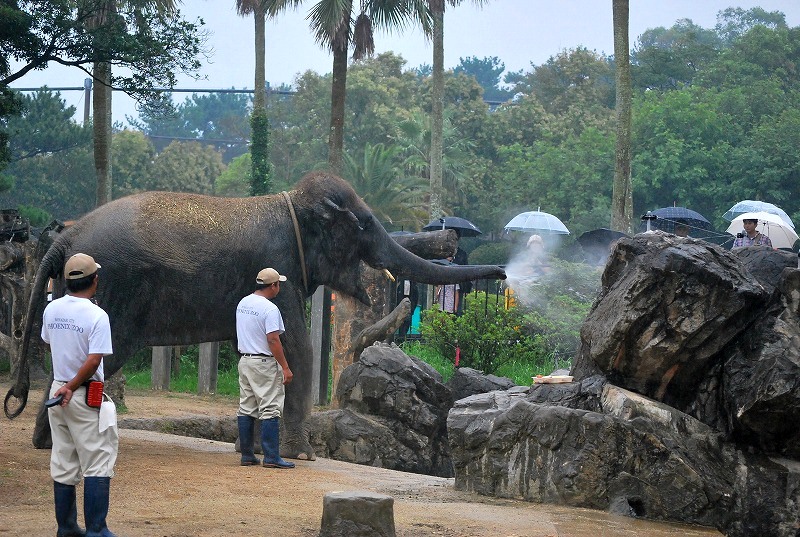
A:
(335, 210)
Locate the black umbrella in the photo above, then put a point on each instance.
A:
(599, 238)
(597, 243)
(464, 227)
(667, 217)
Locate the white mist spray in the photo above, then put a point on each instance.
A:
(526, 268)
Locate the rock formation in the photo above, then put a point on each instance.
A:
(686, 400)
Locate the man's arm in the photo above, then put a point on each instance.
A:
(274, 341)
(84, 373)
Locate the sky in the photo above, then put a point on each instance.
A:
(518, 32)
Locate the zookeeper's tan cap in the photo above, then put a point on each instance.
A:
(79, 266)
(269, 275)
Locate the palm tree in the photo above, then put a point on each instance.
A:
(413, 135)
(436, 8)
(380, 180)
(332, 23)
(622, 196)
(103, 13)
(259, 147)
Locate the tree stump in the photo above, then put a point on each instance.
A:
(357, 514)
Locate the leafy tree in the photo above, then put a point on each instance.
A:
(682, 141)
(413, 137)
(61, 184)
(46, 147)
(133, 155)
(186, 167)
(83, 35)
(217, 118)
(331, 21)
(576, 77)
(487, 73)
(671, 58)
(45, 126)
(234, 181)
(379, 95)
(733, 23)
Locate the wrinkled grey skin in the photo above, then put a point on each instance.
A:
(174, 267)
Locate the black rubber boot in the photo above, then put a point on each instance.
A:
(95, 506)
(271, 445)
(246, 425)
(66, 511)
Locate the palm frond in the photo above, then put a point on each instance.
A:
(363, 41)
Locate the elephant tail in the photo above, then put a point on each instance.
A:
(49, 267)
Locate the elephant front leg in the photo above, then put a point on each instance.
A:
(298, 403)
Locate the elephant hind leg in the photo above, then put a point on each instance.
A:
(294, 442)
(41, 431)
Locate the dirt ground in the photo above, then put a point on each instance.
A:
(175, 486)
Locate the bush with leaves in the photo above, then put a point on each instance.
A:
(487, 334)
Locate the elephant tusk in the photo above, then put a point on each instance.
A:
(389, 274)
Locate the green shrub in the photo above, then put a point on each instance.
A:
(487, 336)
(491, 253)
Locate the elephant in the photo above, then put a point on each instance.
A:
(175, 265)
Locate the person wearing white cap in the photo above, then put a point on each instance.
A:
(263, 370)
(79, 335)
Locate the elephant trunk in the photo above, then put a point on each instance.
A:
(404, 264)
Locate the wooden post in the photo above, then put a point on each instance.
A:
(320, 343)
(208, 367)
(162, 360)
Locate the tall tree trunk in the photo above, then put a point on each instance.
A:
(260, 181)
(338, 94)
(622, 195)
(437, 109)
(260, 93)
(101, 106)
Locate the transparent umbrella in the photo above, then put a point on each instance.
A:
(753, 206)
(537, 222)
(771, 225)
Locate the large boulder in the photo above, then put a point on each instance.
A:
(667, 307)
(392, 413)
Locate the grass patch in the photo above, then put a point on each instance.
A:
(186, 379)
(430, 356)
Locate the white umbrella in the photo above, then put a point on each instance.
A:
(753, 206)
(537, 222)
(771, 225)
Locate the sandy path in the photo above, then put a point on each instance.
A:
(175, 486)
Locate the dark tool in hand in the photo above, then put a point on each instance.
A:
(54, 401)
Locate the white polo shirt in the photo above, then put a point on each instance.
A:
(256, 317)
(75, 328)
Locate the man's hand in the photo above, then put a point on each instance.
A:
(287, 375)
(66, 392)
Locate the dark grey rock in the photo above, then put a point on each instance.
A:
(467, 381)
(667, 307)
(637, 457)
(393, 414)
(357, 514)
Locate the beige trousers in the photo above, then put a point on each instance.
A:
(261, 391)
(79, 448)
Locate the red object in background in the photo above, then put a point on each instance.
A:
(458, 355)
